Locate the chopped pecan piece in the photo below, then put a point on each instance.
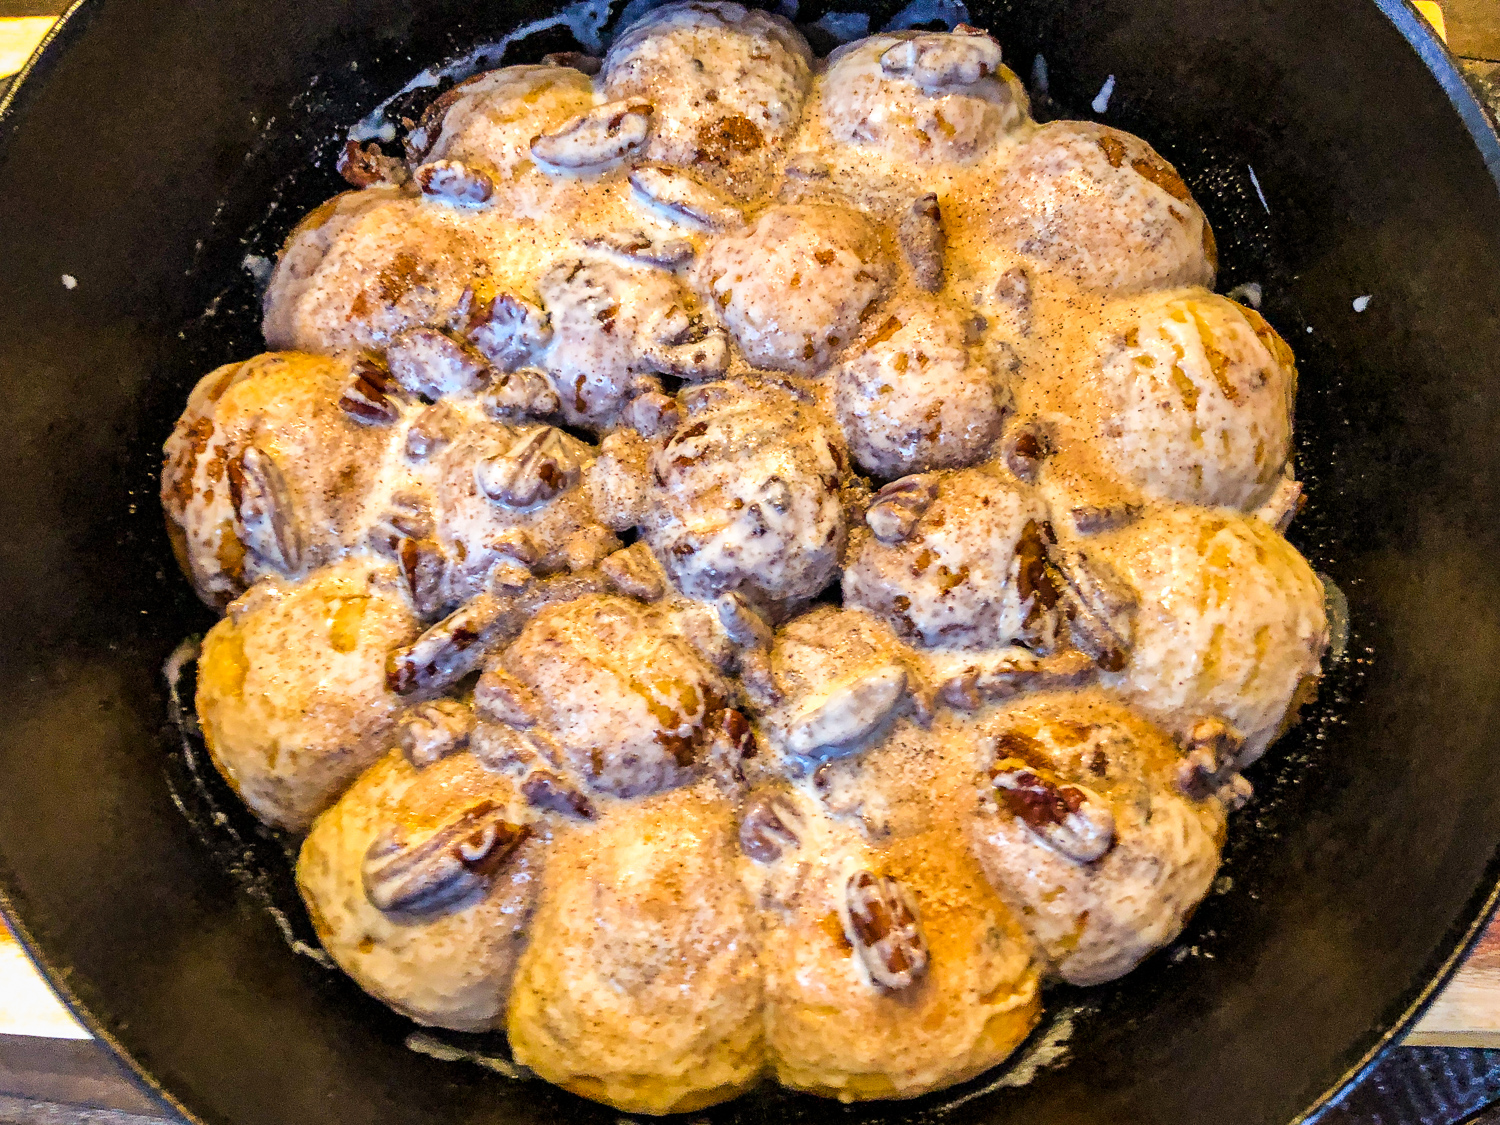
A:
(364, 165)
(430, 731)
(681, 344)
(684, 199)
(1101, 608)
(539, 467)
(1018, 672)
(920, 233)
(501, 697)
(520, 394)
(430, 363)
(896, 508)
(455, 182)
(508, 331)
(594, 138)
(431, 431)
(1012, 295)
(447, 651)
(937, 62)
(1211, 753)
(460, 859)
(544, 789)
(728, 742)
(768, 826)
(1025, 446)
(1072, 820)
(845, 710)
(265, 521)
(371, 396)
(633, 572)
(652, 414)
(742, 622)
(639, 246)
(880, 921)
(423, 565)
(1097, 519)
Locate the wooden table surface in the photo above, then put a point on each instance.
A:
(52, 1058)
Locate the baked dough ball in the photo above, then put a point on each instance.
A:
(1189, 398)
(747, 494)
(640, 986)
(489, 121)
(922, 97)
(265, 474)
(1231, 621)
(841, 675)
(795, 287)
(890, 971)
(449, 964)
(1098, 207)
(622, 694)
(949, 559)
(1083, 830)
(292, 695)
(366, 265)
(727, 84)
(920, 392)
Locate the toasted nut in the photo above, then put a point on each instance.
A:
(502, 698)
(880, 921)
(447, 651)
(1101, 608)
(371, 396)
(1070, 819)
(1012, 298)
(595, 138)
(265, 520)
(432, 431)
(364, 165)
(519, 395)
(769, 826)
(432, 364)
(728, 742)
(684, 199)
(515, 545)
(460, 859)
(742, 622)
(1037, 580)
(544, 789)
(638, 246)
(539, 467)
(1283, 505)
(575, 60)
(845, 710)
(759, 679)
(1019, 671)
(806, 166)
(1211, 752)
(507, 331)
(433, 730)
(896, 508)
(634, 572)
(1094, 520)
(423, 565)
(1025, 446)
(936, 62)
(652, 414)
(920, 233)
(455, 182)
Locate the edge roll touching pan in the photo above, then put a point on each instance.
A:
(138, 157)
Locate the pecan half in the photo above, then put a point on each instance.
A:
(896, 508)
(430, 731)
(1037, 581)
(920, 233)
(1101, 608)
(1211, 753)
(769, 826)
(1019, 671)
(447, 651)
(455, 182)
(678, 343)
(408, 517)
(501, 697)
(1072, 820)
(364, 165)
(460, 859)
(520, 394)
(638, 246)
(430, 363)
(594, 138)
(936, 62)
(423, 565)
(1025, 446)
(880, 921)
(433, 430)
(265, 521)
(634, 573)
(652, 414)
(538, 468)
(845, 710)
(507, 331)
(372, 395)
(544, 789)
(683, 199)
(1097, 519)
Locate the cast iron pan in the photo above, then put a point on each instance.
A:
(142, 156)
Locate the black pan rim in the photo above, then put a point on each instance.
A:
(1461, 936)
